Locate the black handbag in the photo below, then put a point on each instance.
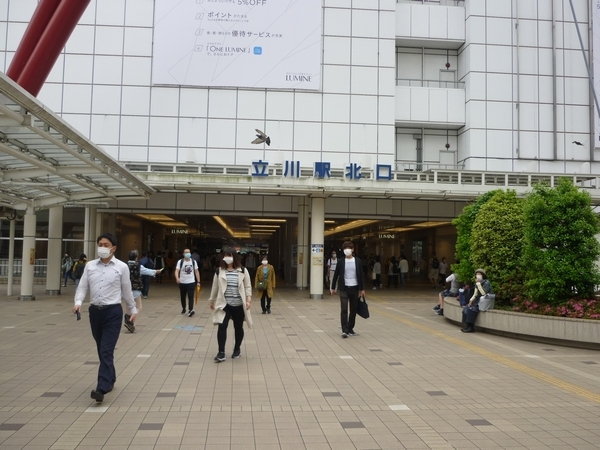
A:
(362, 308)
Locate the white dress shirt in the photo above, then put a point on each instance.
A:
(350, 276)
(107, 284)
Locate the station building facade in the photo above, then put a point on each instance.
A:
(403, 113)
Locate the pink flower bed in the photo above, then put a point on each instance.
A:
(574, 308)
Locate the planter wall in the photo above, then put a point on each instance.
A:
(557, 330)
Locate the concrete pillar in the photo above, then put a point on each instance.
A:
(89, 233)
(55, 232)
(11, 257)
(28, 262)
(317, 251)
(303, 249)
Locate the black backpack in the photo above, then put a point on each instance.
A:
(135, 276)
(395, 268)
(436, 263)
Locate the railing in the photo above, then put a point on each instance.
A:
(40, 268)
(430, 83)
(435, 2)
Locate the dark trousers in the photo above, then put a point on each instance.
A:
(145, 285)
(106, 326)
(470, 314)
(392, 279)
(348, 297)
(237, 314)
(264, 297)
(187, 289)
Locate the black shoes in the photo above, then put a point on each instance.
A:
(344, 335)
(352, 333)
(468, 329)
(220, 357)
(191, 313)
(236, 353)
(98, 396)
(268, 310)
(183, 311)
(440, 312)
(129, 324)
(264, 312)
(436, 308)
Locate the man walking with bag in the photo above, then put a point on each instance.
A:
(350, 281)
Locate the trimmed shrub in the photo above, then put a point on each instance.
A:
(560, 249)
(497, 244)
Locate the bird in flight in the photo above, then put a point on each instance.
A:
(261, 137)
(577, 143)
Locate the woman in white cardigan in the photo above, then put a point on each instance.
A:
(231, 298)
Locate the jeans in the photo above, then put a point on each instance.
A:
(106, 326)
(145, 285)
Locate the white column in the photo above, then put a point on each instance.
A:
(11, 257)
(55, 231)
(303, 249)
(317, 253)
(28, 262)
(89, 232)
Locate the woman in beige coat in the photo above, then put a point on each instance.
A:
(265, 274)
(231, 298)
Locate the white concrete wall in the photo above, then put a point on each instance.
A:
(101, 84)
(426, 106)
(430, 22)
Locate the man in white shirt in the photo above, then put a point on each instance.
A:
(107, 280)
(349, 278)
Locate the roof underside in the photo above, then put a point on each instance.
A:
(44, 162)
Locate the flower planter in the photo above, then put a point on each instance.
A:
(583, 333)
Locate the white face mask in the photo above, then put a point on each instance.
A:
(104, 252)
(478, 277)
(334, 256)
(265, 263)
(228, 260)
(348, 251)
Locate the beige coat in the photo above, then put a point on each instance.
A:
(217, 294)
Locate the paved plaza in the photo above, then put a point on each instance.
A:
(410, 380)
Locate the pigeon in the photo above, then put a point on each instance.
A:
(261, 137)
(577, 143)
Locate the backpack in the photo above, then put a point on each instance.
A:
(395, 268)
(134, 276)
(435, 264)
(79, 267)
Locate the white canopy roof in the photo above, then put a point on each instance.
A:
(44, 162)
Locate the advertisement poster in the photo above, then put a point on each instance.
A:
(238, 43)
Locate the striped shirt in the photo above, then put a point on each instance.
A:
(232, 293)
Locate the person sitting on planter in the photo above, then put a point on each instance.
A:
(482, 287)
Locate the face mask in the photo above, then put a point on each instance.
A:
(104, 252)
(348, 251)
(478, 277)
(333, 256)
(228, 260)
(265, 263)
(187, 255)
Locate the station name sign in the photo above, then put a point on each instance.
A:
(321, 170)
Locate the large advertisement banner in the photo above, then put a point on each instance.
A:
(596, 66)
(238, 43)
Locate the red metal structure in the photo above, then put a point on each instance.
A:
(49, 30)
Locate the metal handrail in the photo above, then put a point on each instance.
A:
(435, 2)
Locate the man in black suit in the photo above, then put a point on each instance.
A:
(349, 273)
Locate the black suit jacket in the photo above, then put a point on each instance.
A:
(339, 274)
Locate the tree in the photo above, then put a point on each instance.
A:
(497, 244)
(560, 249)
(464, 224)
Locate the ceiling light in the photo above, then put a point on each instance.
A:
(267, 220)
(349, 226)
(430, 224)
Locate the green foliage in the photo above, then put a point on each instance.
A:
(560, 249)
(464, 224)
(497, 244)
